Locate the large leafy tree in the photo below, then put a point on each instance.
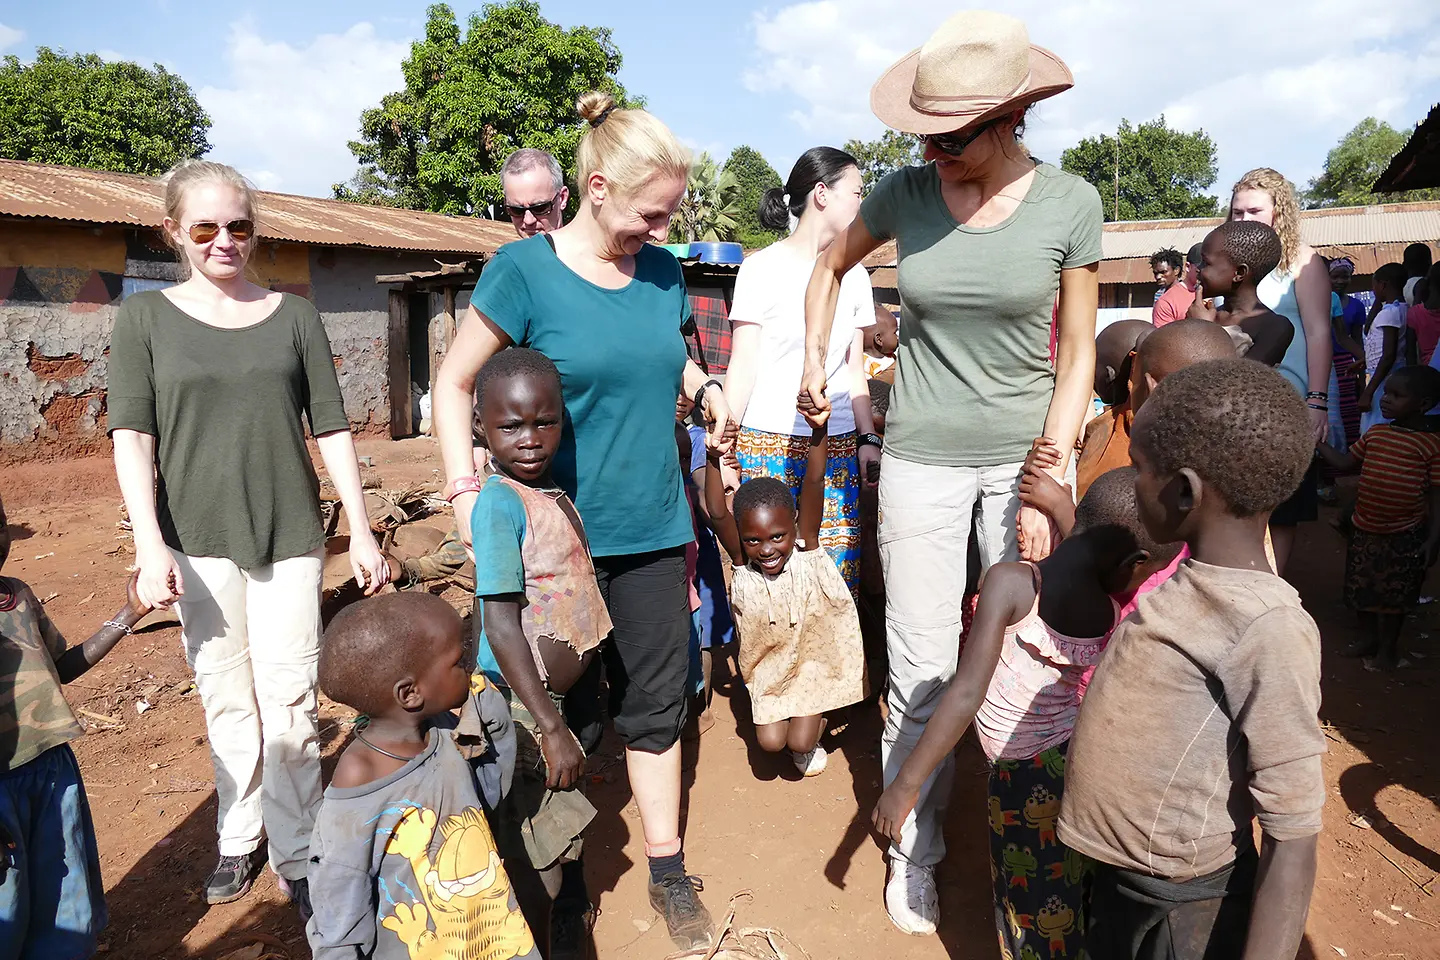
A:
(511, 80)
(710, 207)
(81, 111)
(1162, 173)
(753, 176)
(1354, 165)
(883, 156)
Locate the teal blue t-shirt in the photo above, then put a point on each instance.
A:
(497, 531)
(622, 363)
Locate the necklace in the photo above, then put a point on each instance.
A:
(359, 726)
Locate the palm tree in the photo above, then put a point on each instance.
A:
(707, 211)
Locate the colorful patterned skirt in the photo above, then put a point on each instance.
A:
(1040, 883)
(779, 455)
(1385, 571)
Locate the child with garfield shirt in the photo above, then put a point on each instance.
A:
(1202, 714)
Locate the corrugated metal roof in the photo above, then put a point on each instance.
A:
(1347, 227)
(96, 196)
(1417, 165)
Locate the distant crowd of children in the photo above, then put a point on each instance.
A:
(1142, 694)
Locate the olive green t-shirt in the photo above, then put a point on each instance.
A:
(235, 479)
(974, 377)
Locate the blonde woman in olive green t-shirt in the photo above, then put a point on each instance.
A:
(208, 382)
(990, 246)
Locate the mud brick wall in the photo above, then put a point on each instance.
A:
(61, 285)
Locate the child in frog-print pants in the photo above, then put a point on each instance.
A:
(1038, 881)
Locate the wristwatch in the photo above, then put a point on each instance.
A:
(872, 440)
(700, 394)
(454, 488)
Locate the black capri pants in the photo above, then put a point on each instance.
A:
(647, 658)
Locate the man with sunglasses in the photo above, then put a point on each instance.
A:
(535, 191)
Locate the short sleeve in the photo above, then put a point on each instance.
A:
(687, 313)
(44, 626)
(325, 408)
(502, 294)
(1271, 684)
(880, 209)
(497, 530)
(862, 298)
(697, 448)
(130, 390)
(1337, 309)
(1358, 448)
(1087, 221)
(1435, 465)
(1392, 316)
(752, 300)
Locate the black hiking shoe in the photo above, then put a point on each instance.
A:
(570, 924)
(686, 918)
(233, 876)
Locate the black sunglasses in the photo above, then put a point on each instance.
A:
(951, 143)
(537, 210)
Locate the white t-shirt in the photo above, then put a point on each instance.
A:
(1410, 291)
(1390, 315)
(770, 292)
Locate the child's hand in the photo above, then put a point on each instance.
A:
(814, 414)
(1044, 455)
(564, 760)
(138, 608)
(894, 807)
(1044, 492)
(1201, 308)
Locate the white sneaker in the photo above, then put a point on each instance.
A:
(811, 763)
(910, 898)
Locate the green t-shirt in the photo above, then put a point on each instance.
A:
(235, 479)
(622, 362)
(974, 377)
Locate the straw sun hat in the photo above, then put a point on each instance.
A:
(979, 65)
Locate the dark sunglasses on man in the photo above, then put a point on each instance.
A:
(538, 210)
(206, 231)
(954, 144)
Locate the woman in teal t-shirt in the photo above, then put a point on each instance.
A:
(608, 307)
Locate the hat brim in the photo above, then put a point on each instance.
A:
(890, 97)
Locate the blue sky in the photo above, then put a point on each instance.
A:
(284, 83)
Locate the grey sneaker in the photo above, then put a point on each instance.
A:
(686, 918)
(233, 876)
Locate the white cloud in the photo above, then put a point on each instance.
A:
(288, 111)
(1277, 90)
(9, 36)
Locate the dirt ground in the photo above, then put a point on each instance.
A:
(803, 848)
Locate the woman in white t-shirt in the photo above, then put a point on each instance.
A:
(767, 355)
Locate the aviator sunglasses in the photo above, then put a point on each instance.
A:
(954, 144)
(205, 231)
(537, 210)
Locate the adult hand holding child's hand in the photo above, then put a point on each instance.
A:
(159, 582)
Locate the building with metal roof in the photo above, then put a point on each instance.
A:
(75, 242)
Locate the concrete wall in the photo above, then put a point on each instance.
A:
(356, 312)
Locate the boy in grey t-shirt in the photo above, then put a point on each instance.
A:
(402, 854)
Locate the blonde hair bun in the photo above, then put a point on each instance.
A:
(591, 106)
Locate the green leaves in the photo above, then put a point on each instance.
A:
(1162, 173)
(753, 176)
(709, 209)
(1354, 165)
(81, 111)
(511, 80)
(877, 158)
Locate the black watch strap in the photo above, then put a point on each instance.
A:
(872, 440)
(700, 394)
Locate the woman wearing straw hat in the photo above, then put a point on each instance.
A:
(986, 240)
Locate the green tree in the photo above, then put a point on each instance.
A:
(510, 81)
(81, 111)
(879, 157)
(1354, 165)
(710, 207)
(1163, 173)
(753, 176)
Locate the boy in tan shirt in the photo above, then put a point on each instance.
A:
(1203, 714)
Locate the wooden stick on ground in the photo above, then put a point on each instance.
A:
(1408, 876)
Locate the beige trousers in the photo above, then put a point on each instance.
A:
(253, 639)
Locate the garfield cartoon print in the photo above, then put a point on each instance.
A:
(465, 910)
